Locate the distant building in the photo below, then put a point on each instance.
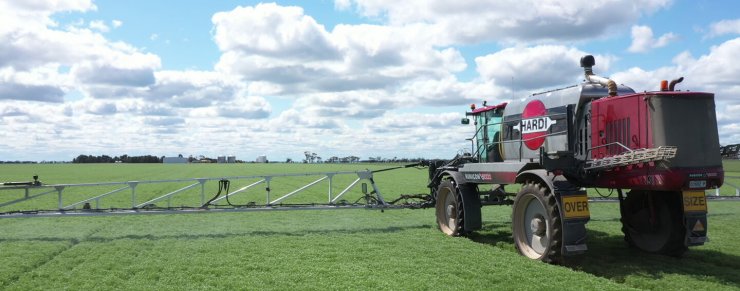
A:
(221, 159)
(231, 159)
(174, 160)
(730, 151)
(261, 159)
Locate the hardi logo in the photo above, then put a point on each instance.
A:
(534, 124)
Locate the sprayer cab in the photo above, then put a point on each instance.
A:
(488, 139)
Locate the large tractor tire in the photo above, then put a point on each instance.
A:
(450, 209)
(536, 224)
(652, 221)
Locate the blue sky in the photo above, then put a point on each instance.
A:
(345, 77)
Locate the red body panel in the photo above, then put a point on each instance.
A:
(488, 108)
(491, 177)
(626, 119)
(622, 119)
(649, 177)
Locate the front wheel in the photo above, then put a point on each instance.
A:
(449, 209)
(536, 224)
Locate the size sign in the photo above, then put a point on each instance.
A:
(694, 201)
(575, 206)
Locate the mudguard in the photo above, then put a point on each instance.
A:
(536, 175)
(471, 202)
(695, 217)
(573, 223)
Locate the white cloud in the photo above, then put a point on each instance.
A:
(401, 123)
(352, 104)
(141, 107)
(164, 121)
(247, 107)
(529, 68)
(342, 4)
(714, 72)
(511, 20)
(293, 120)
(41, 9)
(643, 41)
(190, 89)
(442, 92)
(99, 25)
(10, 111)
(27, 45)
(19, 91)
(724, 27)
(414, 135)
(291, 33)
(116, 23)
(104, 74)
(101, 107)
(281, 46)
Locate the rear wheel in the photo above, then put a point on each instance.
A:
(652, 221)
(536, 224)
(449, 209)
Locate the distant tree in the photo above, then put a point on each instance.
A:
(123, 158)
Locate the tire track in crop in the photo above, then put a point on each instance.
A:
(72, 243)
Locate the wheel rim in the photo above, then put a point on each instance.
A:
(447, 220)
(532, 234)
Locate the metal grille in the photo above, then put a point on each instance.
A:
(617, 131)
(632, 158)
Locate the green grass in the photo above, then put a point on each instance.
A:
(329, 249)
(732, 169)
(731, 166)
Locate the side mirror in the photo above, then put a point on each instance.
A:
(465, 121)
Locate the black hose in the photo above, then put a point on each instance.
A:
(249, 204)
(222, 184)
(611, 191)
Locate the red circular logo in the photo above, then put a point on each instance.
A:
(534, 124)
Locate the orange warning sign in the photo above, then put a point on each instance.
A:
(576, 206)
(694, 201)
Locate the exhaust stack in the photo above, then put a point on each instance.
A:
(587, 62)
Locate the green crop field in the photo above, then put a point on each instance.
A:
(320, 249)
